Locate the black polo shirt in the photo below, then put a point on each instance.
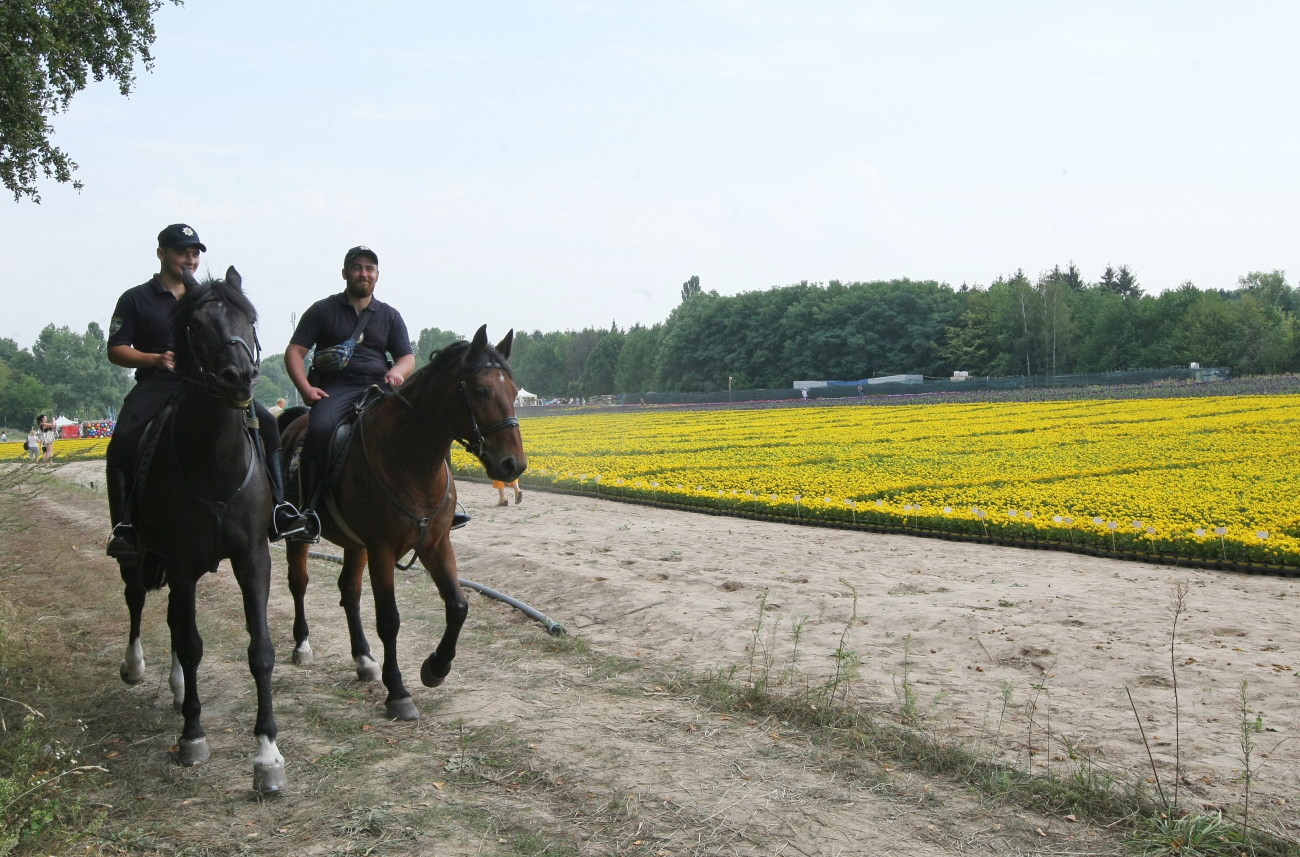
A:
(331, 320)
(142, 319)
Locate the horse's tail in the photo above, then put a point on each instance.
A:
(288, 415)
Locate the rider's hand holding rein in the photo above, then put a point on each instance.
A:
(397, 374)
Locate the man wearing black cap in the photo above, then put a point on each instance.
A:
(140, 337)
(332, 392)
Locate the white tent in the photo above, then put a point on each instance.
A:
(525, 398)
(64, 421)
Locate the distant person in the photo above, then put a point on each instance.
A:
(33, 445)
(804, 392)
(501, 492)
(47, 430)
(140, 337)
(278, 408)
(4, 437)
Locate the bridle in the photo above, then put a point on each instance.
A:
(206, 377)
(474, 445)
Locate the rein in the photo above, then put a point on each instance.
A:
(217, 508)
(421, 522)
(473, 445)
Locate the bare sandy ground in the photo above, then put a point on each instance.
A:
(1026, 654)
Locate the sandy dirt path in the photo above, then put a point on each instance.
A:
(1026, 655)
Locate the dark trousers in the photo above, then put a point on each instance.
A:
(326, 414)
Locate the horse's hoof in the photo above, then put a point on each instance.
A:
(401, 709)
(193, 752)
(130, 673)
(303, 657)
(427, 675)
(269, 779)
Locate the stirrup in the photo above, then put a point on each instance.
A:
(459, 519)
(309, 533)
(122, 543)
(286, 520)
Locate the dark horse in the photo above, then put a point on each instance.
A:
(204, 496)
(395, 494)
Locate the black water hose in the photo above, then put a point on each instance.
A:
(555, 629)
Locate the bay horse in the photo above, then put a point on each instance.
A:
(204, 496)
(395, 494)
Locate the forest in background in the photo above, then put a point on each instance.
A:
(1056, 324)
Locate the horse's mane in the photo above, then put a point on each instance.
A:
(194, 297)
(450, 355)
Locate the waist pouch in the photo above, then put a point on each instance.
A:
(337, 357)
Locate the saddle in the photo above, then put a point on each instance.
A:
(337, 450)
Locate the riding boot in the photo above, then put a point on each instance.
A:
(459, 518)
(310, 531)
(122, 543)
(286, 520)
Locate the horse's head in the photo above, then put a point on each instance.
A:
(485, 424)
(216, 338)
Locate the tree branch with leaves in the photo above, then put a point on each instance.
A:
(51, 51)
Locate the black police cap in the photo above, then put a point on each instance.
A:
(178, 236)
(359, 250)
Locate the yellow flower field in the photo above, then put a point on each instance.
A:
(82, 447)
(1208, 478)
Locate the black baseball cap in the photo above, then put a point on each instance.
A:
(178, 236)
(359, 250)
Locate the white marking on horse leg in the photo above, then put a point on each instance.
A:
(268, 767)
(367, 668)
(176, 680)
(132, 669)
(303, 656)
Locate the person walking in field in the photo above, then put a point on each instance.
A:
(48, 430)
(501, 492)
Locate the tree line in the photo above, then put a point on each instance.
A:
(1055, 324)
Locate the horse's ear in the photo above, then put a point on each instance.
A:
(233, 278)
(504, 345)
(480, 339)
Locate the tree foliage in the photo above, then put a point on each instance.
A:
(1055, 324)
(65, 373)
(432, 339)
(52, 49)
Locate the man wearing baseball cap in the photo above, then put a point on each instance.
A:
(381, 355)
(140, 337)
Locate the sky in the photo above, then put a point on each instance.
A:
(561, 165)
